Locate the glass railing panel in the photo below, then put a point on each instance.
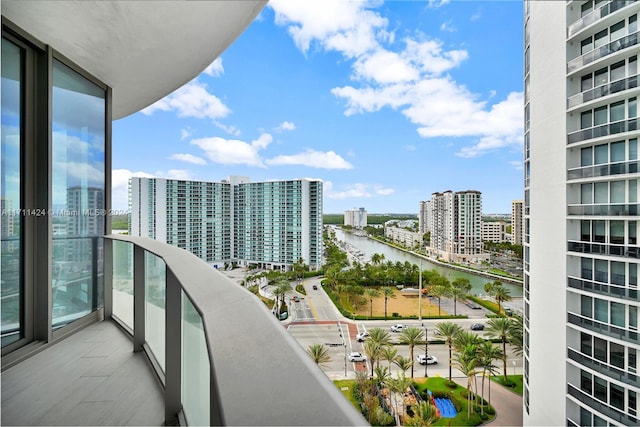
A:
(603, 130)
(76, 278)
(195, 366)
(596, 15)
(123, 281)
(603, 90)
(10, 289)
(595, 54)
(155, 303)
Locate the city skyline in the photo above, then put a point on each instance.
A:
(368, 103)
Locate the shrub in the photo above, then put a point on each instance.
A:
(394, 314)
(490, 410)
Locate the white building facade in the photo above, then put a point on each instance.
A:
(581, 213)
(517, 222)
(270, 224)
(408, 238)
(494, 231)
(356, 218)
(456, 233)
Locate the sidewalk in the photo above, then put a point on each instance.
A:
(508, 405)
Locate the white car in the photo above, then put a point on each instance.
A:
(362, 336)
(398, 328)
(426, 360)
(355, 356)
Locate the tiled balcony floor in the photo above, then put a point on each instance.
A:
(90, 378)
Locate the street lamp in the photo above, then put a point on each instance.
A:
(426, 354)
(344, 345)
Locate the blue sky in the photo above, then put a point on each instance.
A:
(386, 102)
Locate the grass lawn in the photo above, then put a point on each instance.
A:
(402, 304)
(348, 393)
(517, 379)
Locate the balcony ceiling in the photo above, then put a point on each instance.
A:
(143, 50)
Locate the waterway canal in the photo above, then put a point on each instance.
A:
(369, 247)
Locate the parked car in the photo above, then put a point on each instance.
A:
(426, 360)
(296, 299)
(508, 312)
(356, 356)
(315, 287)
(477, 327)
(398, 327)
(362, 336)
(436, 332)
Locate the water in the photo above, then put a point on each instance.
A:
(370, 247)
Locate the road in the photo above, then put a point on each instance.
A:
(314, 319)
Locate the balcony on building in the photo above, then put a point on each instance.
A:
(99, 329)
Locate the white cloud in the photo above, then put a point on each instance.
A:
(313, 159)
(178, 174)
(410, 147)
(215, 69)
(475, 16)
(412, 79)
(230, 129)
(189, 158)
(285, 126)
(234, 151)
(120, 187)
(191, 100)
(185, 133)
(357, 190)
(517, 164)
(437, 3)
(448, 26)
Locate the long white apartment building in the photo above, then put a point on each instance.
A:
(494, 231)
(456, 230)
(425, 220)
(517, 222)
(356, 217)
(581, 249)
(271, 224)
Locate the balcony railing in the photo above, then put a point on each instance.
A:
(604, 249)
(603, 90)
(602, 51)
(603, 288)
(604, 170)
(604, 328)
(601, 407)
(596, 15)
(601, 367)
(222, 357)
(603, 130)
(604, 209)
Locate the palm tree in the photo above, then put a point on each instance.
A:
(465, 338)
(371, 293)
(466, 362)
(403, 363)
(412, 336)
(387, 292)
(456, 293)
(438, 292)
(382, 373)
(376, 259)
(425, 414)
(389, 353)
(515, 334)
(319, 353)
(398, 385)
(372, 351)
(488, 353)
(448, 330)
(382, 338)
(500, 327)
(501, 294)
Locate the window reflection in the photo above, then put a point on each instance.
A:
(11, 284)
(78, 199)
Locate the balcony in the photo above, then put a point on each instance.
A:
(601, 367)
(606, 289)
(201, 351)
(603, 90)
(603, 170)
(603, 328)
(603, 130)
(602, 51)
(603, 209)
(597, 14)
(604, 249)
(611, 412)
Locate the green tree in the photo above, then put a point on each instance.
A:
(382, 338)
(404, 363)
(376, 258)
(425, 414)
(382, 373)
(501, 294)
(438, 292)
(466, 362)
(412, 336)
(500, 327)
(448, 331)
(387, 292)
(371, 294)
(487, 354)
(372, 351)
(515, 334)
(319, 353)
(389, 353)
(397, 386)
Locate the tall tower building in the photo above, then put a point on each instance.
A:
(356, 218)
(273, 224)
(517, 222)
(581, 250)
(425, 219)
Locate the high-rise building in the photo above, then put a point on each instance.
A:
(581, 250)
(457, 225)
(517, 222)
(356, 218)
(425, 219)
(494, 231)
(272, 224)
